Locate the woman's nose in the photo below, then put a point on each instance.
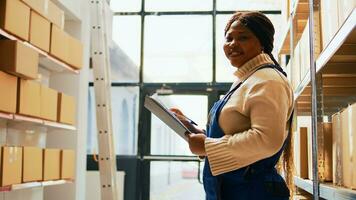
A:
(233, 44)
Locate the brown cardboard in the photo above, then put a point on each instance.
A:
(296, 67)
(345, 150)
(49, 100)
(40, 6)
(75, 53)
(29, 98)
(303, 152)
(336, 148)
(55, 15)
(32, 168)
(18, 59)
(15, 18)
(51, 164)
(8, 87)
(67, 164)
(40, 31)
(352, 131)
(329, 20)
(327, 150)
(66, 109)
(11, 165)
(59, 43)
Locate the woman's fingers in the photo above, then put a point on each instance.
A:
(176, 111)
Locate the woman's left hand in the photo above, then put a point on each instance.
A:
(197, 143)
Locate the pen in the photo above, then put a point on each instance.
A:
(190, 121)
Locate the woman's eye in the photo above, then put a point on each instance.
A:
(242, 38)
(228, 39)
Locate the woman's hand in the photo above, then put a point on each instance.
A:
(179, 114)
(197, 143)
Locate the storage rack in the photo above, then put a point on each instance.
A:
(336, 86)
(62, 72)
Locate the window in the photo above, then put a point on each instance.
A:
(125, 6)
(178, 49)
(125, 49)
(249, 5)
(164, 141)
(178, 5)
(124, 103)
(175, 181)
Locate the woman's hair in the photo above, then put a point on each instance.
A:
(263, 29)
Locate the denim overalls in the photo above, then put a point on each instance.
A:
(258, 181)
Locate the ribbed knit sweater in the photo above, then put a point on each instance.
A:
(254, 120)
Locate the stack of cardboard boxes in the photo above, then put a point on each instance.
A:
(33, 164)
(40, 23)
(344, 147)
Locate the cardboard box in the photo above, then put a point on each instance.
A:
(329, 20)
(352, 131)
(59, 43)
(40, 31)
(11, 160)
(67, 164)
(303, 153)
(15, 18)
(51, 164)
(346, 154)
(325, 151)
(66, 109)
(18, 59)
(55, 15)
(40, 6)
(32, 168)
(75, 53)
(49, 100)
(345, 9)
(29, 98)
(296, 67)
(336, 146)
(8, 87)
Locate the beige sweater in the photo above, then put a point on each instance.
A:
(254, 119)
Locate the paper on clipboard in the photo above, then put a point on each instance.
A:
(166, 116)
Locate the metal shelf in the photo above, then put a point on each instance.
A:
(298, 16)
(33, 185)
(336, 52)
(33, 120)
(46, 60)
(327, 190)
(342, 40)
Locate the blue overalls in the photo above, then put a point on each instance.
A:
(258, 181)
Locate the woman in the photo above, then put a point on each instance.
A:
(247, 129)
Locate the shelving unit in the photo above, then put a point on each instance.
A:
(33, 185)
(298, 17)
(327, 190)
(34, 121)
(46, 60)
(18, 130)
(334, 83)
(339, 50)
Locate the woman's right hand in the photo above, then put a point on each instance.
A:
(179, 114)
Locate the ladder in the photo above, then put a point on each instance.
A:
(102, 84)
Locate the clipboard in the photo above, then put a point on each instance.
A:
(165, 115)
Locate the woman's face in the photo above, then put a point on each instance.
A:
(240, 45)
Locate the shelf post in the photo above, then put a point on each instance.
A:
(313, 8)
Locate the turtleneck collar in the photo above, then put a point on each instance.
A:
(252, 65)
